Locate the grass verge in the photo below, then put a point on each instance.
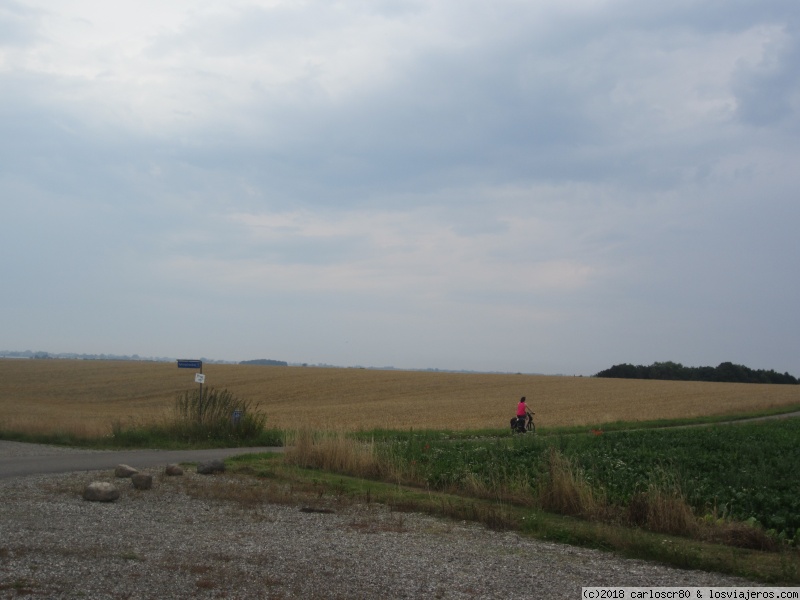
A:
(781, 567)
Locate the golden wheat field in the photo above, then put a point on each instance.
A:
(86, 397)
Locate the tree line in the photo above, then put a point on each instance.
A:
(266, 362)
(727, 372)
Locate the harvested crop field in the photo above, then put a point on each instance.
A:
(87, 396)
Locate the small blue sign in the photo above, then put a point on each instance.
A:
(190, 364)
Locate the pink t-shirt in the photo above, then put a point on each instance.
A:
(521, 409)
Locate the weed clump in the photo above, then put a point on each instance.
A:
(747, 534)
(215, 414)
(566, 491)
(333, 452)
(663, 510)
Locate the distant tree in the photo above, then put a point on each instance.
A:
(623, 371)
(728, 371)
(666, 370)
(724, 372)
(266, 362)
(703, 374)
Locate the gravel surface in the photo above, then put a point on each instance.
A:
(219, 536)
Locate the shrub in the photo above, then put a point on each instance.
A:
(210, 414)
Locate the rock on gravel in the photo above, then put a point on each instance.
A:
(173, 470)
(180, 540)
(142, 481)
(100, 491)
(123, 471)
(211, 467)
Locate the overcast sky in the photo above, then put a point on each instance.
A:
(514, 185)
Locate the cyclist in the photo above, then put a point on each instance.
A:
(523, 414)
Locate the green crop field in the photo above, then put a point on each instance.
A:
(738, 471)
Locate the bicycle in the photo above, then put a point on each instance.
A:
(523, 424)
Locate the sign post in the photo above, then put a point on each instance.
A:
(185, 363)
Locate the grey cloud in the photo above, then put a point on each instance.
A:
(505, 119)
(511, 106)
(19, 24)
(769, 93)
(711, 16)
(474, 112)
(244, 32)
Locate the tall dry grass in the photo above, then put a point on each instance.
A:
(566, 491)
(332, 451)
(43, 395)
(661, 508)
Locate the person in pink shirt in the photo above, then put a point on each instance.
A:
(522, 408)
(522, 415)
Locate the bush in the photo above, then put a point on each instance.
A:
(210, 415)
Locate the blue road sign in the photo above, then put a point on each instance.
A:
(190, 364)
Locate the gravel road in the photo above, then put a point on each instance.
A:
(181, 540)
(18, 459)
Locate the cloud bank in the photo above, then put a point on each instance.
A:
(509, 186)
